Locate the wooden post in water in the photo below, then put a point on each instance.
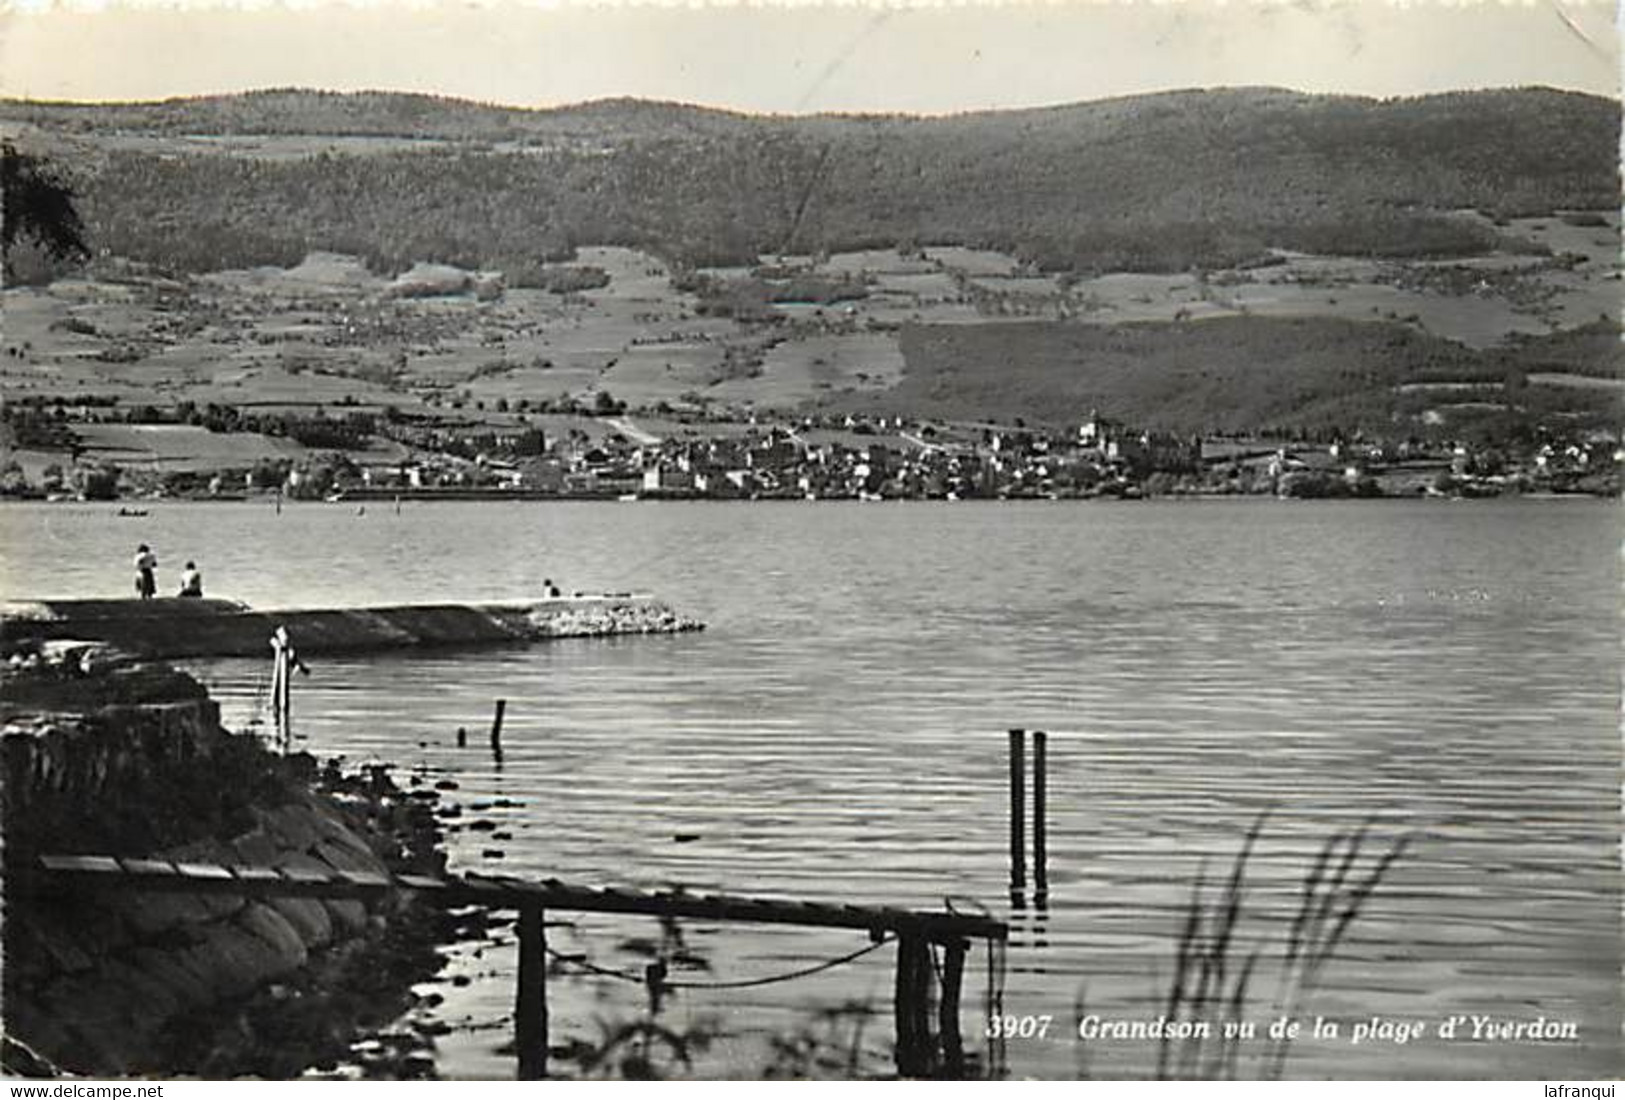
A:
(281, 695)
(953, 1043)
(287, 698)
(902, 1019)
(276, 692)
(496, 730)
(1040, 812)
(1018, 784)
(911, 1007)
(530, 995)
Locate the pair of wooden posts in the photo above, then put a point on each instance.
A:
(496, 732)
(1018, 840)
(919, 1052)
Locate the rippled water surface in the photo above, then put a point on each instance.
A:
(1447, 672)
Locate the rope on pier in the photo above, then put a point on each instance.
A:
(640, 979)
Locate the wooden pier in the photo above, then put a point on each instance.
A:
(922, 1050)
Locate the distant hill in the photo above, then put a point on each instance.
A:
(1144, 183)
(303, 111)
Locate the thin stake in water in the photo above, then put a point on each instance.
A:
(496, 730)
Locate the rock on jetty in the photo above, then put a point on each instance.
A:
(171, 628)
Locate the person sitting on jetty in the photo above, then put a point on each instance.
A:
(146, 586)
(551, 590)
(191, 582)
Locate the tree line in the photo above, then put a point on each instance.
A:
(1152, 183)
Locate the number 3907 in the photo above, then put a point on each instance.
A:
(1018, 1027)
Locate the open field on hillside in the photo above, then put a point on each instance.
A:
(166, 447)
(329, 332)
(1240, 374)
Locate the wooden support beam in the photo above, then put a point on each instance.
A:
(904, 1047)
(911, 1008)
(530, 995)
(1040, 816)
(279, 674)
(1018, 814)
(287, 699)
(953, 1043)
(52, 872)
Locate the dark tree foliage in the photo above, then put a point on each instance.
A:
(38, 206)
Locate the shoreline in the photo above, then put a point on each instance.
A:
(501, 497)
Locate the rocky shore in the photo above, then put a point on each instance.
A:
(109, 751)
(126, 758)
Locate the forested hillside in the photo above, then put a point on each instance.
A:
(1147, 183)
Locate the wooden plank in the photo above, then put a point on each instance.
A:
(257, 874)
(304, 875)
(370, 880)
(509, 893)
(93, 865)
(936, 927)
(148, 867)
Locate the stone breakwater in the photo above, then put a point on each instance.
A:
(131, 761)
(174, 628)
(591, 620)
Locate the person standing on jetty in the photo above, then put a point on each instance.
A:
(146, 585)
(191, 582)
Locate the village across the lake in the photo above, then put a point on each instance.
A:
(383, 454)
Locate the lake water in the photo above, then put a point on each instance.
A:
(1444, 671)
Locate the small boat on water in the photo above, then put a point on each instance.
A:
(131, 513)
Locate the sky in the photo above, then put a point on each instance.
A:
(782, 58)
